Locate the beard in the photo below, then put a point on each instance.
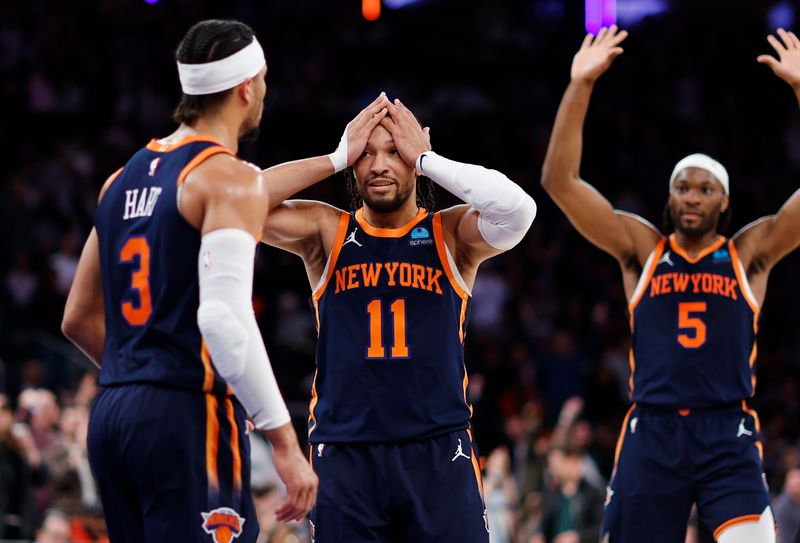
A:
(250, 129)
(707, 224)
(385, 205)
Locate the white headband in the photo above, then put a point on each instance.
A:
(224, 74)
(704, 162)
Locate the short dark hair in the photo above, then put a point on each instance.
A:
(208, 41)
(667, 226)
(424, 191)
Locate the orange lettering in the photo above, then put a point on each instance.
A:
(706, 282)
(433, 280)
(681, 282)
(352, 280)
(655, 286)
(419, 275)
(391, 268)
(718, 282)
(371, 273)
(341, 276)
(696, 282)
(666, 288)
(405, 274)
(730, 288)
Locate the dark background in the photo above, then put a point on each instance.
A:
(84, 84)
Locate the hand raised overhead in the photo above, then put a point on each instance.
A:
(787, 65)
(597, 53)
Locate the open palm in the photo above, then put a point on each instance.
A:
(597, 53)
(787, 65)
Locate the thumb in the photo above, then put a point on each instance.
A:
(769, 60)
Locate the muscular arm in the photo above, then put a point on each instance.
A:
(620, 235)
(84, 318)
(764, 242)
(284, 180)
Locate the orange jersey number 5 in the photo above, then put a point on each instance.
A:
(688, 322)
(140, 281)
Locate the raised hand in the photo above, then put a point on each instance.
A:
(410, 139)
(787, 65)
(597, 53)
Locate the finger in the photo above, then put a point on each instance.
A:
(587, 41)
(778, 46)
(600, 36)
(787, 41)
(616, 51)
(407, 112)
(794, 39)
(769, 60)
(388, 124)
(616, 40)
(610, 34)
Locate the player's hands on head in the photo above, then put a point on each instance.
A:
(410, 138)
(359, 129)
(301, 482)
(597, 53)
(787, 65)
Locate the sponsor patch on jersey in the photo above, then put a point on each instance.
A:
(721, 255)
(223, 524)
(420, 233)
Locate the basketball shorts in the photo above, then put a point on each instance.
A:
(171, 465)
(669, 459)
(427, 491)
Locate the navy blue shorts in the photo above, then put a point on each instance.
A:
(667, 460)
(171, 465)
(427, 491)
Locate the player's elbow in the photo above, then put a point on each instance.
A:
(73, 324)
(225, 337)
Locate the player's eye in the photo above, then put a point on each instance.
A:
(393, 151)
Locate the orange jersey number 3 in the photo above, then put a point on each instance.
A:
(140, 281)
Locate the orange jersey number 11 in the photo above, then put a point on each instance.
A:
(686, 321)
(376, 349)
(140, 281)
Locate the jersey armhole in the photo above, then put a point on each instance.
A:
(446, 259)
(741, 276)
(201, 157)
(647, 273)
(330, 265)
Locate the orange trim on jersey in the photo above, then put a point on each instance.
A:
(154, 145)
(673, 243)
(113, 177)
(237, 454)
(647, 274)
(314, 399)
(746, 519)
(632, 364)
(389, 232)
(737, 269)
(212, 439)
(465, 384)
(341, 232)
(621, 437)
(757, 422)
(476, 466)
(208, 370)
(441, 250)
(201, 156)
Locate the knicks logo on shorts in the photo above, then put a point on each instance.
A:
(223, 524)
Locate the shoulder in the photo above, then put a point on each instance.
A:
(643, 233)
(222, 175)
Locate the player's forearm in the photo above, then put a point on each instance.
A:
(289, 178)
(563, 159)
(506, 211)
(282, 437)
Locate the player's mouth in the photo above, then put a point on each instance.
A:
(691, 216)
(380, 184)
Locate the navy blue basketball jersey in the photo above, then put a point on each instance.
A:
(148, 258)
(391, 314)
(694, 323)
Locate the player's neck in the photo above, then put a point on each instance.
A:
(392, 219)
(226, 132)
(694, 244)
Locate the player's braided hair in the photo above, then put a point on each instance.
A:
(667, 226)
(208, 41)
(424, 191)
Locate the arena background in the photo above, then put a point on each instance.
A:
(85, 83)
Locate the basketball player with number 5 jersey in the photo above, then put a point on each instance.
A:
(390, 412)
(694, 299)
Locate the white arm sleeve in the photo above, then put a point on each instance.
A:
(506, 211)
(228, 325)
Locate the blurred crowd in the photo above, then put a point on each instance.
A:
(85, 83)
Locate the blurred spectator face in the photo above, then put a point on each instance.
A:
(6, 415)
(565, 468)
(792, 486)
(72, 421)
(385, 182)
(54, 530)
(45, 414)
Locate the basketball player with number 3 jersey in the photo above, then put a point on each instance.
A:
(162, 302)
(694, 301)
(390, 413)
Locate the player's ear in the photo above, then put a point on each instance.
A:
(725, 203)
